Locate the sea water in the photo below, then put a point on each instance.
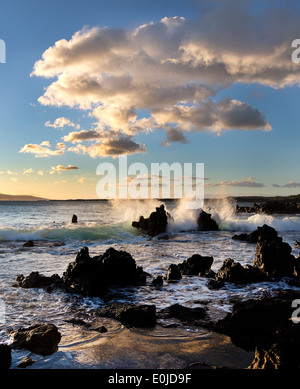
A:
(104, 224)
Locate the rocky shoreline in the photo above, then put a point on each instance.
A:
(271, 207)
(263, 325)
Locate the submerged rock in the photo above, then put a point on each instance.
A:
(29, 243)
(36, 280)
(134, 315)
(41, 339)
(173, 273)
(155, 224)
(261, 233)
(184, 314)
(196, 265)
(206, 223)
(158, 281)
(27, 361)
(92, 276)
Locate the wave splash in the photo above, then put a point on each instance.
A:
(123, 213)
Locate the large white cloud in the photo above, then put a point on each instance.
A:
(166, 74)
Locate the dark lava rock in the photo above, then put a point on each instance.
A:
(74, 219)
(134, 315)
(36, 280)
(297, 244)
(158, 281)
(234, 272)
(265, 325)
(206, 223)
(254, 322)
(261, 233)
(29, 243)
(27, 361)
(173, 273)
(5, 357)
(273, 257)
(271, 207)
(155, 224)
(283, 353)
(196, 265)
(92, 276)
(184, 314)
(41, 339)
(215, 284)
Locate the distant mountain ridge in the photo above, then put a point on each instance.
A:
(5, 197)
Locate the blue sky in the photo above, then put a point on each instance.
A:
(258, 156)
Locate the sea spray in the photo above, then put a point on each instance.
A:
(224, 212)
(130, 210)
(183, 219)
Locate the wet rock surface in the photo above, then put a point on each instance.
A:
(206, 223)
(155, 224)
(133, 315)
(36, 280)
(41, 338)
(265, 325)
(92, 276)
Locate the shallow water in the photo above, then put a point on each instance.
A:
(102, 225)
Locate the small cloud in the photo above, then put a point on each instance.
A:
(291, 185)
(60, 182)
(110, 147)
(174, 135)
(248, 183)
(60, 168)
(28, 171)
(61, 123)
(81, 180)
(42, 150)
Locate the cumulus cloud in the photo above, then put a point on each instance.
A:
(42, 150)
(79, 136)
(110, 147)
(167, 74)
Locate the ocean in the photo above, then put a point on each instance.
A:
(104, 224)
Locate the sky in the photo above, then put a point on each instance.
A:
(181, 81)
